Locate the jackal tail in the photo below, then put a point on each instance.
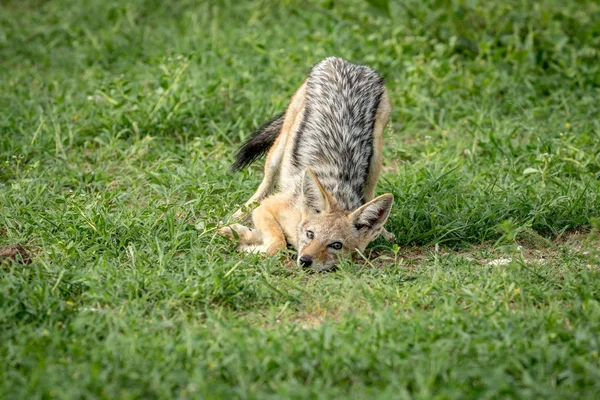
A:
(258, 143)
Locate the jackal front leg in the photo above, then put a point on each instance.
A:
(250, 240)
(276, 154)
(267, 236)
(381, 119)
(265, 220)
(277, 220)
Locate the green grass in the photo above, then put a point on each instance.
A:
(119, 121)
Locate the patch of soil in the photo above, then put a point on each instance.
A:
(15, 253)
(532, 246)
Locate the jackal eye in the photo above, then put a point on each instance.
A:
(336, 245)
(310, 234)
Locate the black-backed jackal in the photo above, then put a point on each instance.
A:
(324, 160)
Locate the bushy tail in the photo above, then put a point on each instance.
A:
(258, 143)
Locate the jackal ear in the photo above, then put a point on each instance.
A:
(315, 199)
(370, 218)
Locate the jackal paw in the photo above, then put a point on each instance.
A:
(239, 229)
(389, 236)
(227, 232)
(269, 248)
(252, 248)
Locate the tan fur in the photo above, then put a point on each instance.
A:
(381, 119)
(282, 218)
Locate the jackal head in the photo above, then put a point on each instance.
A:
(327, 232)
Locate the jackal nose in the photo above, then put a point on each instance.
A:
(305, 261)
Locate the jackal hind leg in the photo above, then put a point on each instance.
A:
(387, 235)
(277, 152)
(382, 117)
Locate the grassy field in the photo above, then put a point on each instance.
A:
(118, 123)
